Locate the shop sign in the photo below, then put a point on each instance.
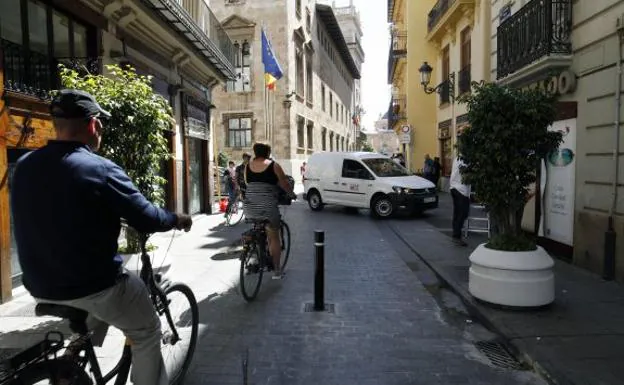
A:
(562, 84)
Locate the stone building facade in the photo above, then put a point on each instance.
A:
(575, 52)
(312, 106)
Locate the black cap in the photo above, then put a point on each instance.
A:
(76, 104)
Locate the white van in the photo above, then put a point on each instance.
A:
(365, 180)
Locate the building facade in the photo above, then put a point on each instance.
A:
(382, 139)
(575, 53)
(312, 106)
(179, 43)
(409, 106)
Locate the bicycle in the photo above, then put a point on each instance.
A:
(255, 258)
(235, 213)
(43, 361)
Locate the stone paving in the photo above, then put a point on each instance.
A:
(386, 328)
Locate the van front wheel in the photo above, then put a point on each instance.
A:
(314, 201)
(382, 207)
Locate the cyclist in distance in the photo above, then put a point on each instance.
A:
(67, 205)
(263, 178)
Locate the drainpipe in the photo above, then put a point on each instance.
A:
(610, 234)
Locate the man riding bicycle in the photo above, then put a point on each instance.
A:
(67, 205)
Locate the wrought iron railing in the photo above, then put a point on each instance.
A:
(398, 48)
(445, 91)
(35, 74)
(540, 28)
(397, 110)
(436, 13)
(205, 19)
(464, 79)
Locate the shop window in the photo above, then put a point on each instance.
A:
(10, 21)
(239, 131)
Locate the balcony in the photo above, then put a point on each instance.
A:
(535, 40)
(194, 20)
(446, 13)
(464, 80)
(398, 50)
(445, 92)
(397, 110)
(34, 74)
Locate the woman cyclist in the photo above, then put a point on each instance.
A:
(264, 177)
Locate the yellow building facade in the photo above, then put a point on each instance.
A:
(459, 32)
(409, 105)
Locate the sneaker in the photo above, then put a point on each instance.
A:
(278, 274)
(459, 242)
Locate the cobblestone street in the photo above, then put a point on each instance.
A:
(392, 324)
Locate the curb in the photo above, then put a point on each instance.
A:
(473, 306)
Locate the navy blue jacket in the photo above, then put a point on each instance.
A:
(67, 205)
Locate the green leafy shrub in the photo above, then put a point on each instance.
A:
(502, 148)
(134, 138)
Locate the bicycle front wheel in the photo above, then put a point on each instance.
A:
(52, 372)
(285, 241)
(180, 324)
(251, 271)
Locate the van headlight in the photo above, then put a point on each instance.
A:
(401, 190)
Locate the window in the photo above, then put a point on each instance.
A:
(300, 133)
(323, 97)
(384, 167)
(298, 8)
(308, 20)
(331, 105)
(50, 35)
(239, 132)
(299, 68)
(324, 139)
(465, 59)
(242, 67)
(331, 141)
(310, 135)
(354, 170)
(309, 79)
(10, 21)
(337, 113)
(446, 71)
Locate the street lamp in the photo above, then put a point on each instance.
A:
(425, 78)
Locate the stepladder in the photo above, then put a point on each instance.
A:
(478, 220)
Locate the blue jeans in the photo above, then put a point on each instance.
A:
(231, 198)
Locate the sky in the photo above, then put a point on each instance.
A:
(375, 42)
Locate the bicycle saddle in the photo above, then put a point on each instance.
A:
(61, 311)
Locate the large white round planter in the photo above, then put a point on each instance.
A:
(518, 279)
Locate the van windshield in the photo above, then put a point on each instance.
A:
(384, 167)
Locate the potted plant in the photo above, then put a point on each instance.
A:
(503, 146)
(134, 138)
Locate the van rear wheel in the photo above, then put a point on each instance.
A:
(314, 201)
(382, 207)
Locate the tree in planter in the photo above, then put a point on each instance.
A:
(502, 148)
(366, 147)
(134, 138)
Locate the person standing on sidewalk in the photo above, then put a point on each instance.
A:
(67, 205)
(240, 179)
(460, 193)
(230, 185)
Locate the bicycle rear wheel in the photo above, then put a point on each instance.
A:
(57, 371)
(236, 213)
(182, 316)
(285, 241)
(251, 272)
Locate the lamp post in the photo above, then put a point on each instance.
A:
(425, 78)
(448, 86)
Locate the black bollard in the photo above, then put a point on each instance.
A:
(319, 270)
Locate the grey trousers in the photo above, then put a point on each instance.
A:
(127, 306)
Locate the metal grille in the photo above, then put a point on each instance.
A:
(499, 356)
